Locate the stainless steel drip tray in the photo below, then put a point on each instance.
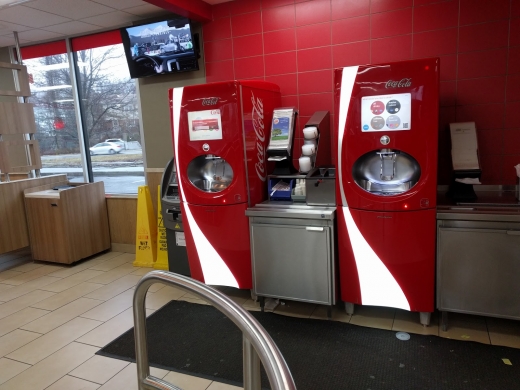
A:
(385, 189)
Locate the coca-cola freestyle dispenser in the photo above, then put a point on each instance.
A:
(220, 132)
(387, 180)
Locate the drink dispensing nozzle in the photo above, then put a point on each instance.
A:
(388, 157)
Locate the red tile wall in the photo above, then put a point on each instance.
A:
(297, 44)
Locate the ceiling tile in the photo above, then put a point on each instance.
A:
(147, 10)
(121, 4)
(112, 19)
(30, 17)
(8, 28)
(77, 9)
(72, 28)
(6, 41)
(38, 35)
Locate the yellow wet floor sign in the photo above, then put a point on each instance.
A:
(146, 232)
(162, 245)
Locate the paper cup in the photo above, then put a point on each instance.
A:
(308, 150)
(309, 142)
(305, 164)
(310, 132)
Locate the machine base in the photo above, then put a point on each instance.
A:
(349, 308)
(425, 318)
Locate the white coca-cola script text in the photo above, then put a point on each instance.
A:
(257, 116)
(398, 84)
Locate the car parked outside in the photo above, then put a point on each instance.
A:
(105, 148)
(118, 141)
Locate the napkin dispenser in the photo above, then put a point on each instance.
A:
(466, 166)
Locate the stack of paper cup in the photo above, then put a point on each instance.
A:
(310, 132)
(308, 150)
(305, 164)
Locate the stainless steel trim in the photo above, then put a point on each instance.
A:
(480, 216)
(280, 377)
(289, 213)
(488, 204)
(314, 229)
(481, 187)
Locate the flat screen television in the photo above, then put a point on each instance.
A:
(161, 47)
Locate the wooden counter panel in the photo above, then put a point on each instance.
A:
(13, 225)
(71, 227)
(122, 216)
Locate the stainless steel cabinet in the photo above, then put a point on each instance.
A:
(292, 253)
(478, 265)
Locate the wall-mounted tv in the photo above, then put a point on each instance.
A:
(162, 47)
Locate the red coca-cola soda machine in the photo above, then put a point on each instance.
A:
(386, 132)
(220, 132)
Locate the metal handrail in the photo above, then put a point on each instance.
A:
(256, 341)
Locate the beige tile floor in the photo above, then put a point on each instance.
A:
(53, 319)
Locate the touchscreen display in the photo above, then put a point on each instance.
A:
(205, 125)
(386, 112)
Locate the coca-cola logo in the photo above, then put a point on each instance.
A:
(398, 84)
(257, 115)
(209, 101)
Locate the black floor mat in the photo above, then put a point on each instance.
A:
(199, 340)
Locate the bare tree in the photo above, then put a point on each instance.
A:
(106, 92)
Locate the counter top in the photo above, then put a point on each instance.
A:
(54, 194)
(489, 205)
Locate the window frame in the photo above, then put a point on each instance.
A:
(70, 47)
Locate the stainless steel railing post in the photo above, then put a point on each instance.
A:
(252, 379)
(258, 345)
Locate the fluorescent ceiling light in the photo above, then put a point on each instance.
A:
(9, 3)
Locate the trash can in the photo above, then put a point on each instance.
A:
(172, 218)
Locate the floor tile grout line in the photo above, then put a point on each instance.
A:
(21, 346)
(83, 296)
(78, 316)
(97, 383)
(32, 365)
(25, 330)
(43, 334)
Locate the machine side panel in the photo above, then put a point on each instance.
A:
(257, 114)
(216, 256)
(394, 254)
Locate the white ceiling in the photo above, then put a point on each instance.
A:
(47, 20)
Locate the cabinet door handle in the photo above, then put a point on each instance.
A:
(314, 229)
(513, 232)
(54, 205)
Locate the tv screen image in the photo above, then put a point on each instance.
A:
(159, 48)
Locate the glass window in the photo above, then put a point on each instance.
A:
(108, 103)
(55, 116)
